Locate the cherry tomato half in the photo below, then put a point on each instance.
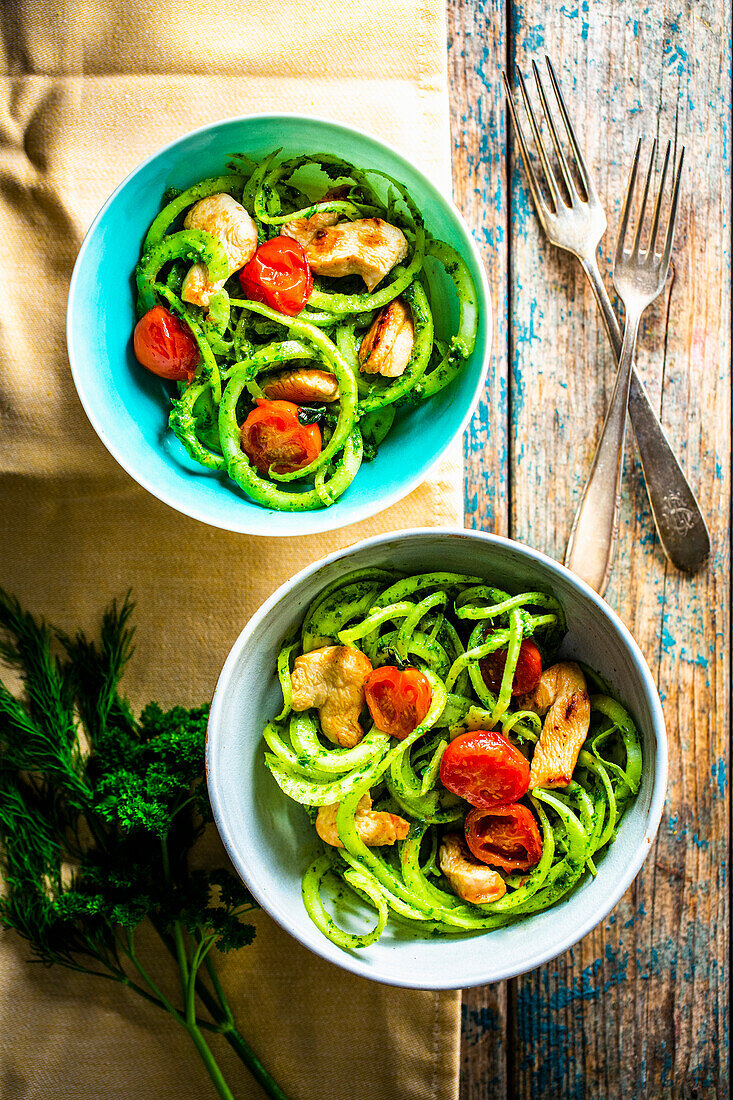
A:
(526, 675)
(278, 275)
(272, 436)
(398, 699)
(504, 836)
(165, 345)
(485, 769)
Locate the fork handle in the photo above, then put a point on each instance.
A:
(680, 525)
(592, 539)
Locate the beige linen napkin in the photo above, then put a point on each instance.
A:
(88, 89)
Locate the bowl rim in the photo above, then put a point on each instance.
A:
(309, 524)
(350, 962)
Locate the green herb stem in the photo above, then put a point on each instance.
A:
(119, 800)
(211, 971)
(210, 1062)
(220, 1012)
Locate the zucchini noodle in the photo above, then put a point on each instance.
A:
(239, 339)
(444, 624)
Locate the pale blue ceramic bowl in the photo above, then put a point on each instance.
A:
(128, 407)
(271, 841)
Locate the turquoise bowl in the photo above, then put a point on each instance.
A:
(128, 407)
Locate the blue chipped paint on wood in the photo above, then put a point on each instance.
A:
(477, 1021)
(640, 1007)
(719, 773)
(476, 47)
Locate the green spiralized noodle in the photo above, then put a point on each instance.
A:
(183, 422)
(411, 622)
(516, 722)
(191, 245)
(283, 675)
(472, 656)
(330, 598)
(331, 356)
(457, 270)
(312, 792)
(510, 666)
(461, 344)
(397, 618)
(207, 371)
(290, 761)
(499, 602)
(232, 332)
(430, 774)
(371, 624)
(347, 345)
(311, 891)
(230, 184)
(304, 737)
(383, 649)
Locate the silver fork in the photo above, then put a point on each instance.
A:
(577, 226)
(639, 278)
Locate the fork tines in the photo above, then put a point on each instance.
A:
(649, 258)
(578, 162)
(552, 214)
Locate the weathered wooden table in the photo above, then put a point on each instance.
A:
(639, 1008)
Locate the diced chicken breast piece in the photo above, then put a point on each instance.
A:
(302, 385)
(387, 346)
(368, 247)
(469, 878)
(374, 827)
(332, 680)
(303, 230)
(225, 218)
(562, 696)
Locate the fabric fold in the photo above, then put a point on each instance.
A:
(88, 88)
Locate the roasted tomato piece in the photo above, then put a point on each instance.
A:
(278, 275)
(526, 674)
(165, 345)
(485, 769)
(273, 437)
(504, 836)
(398, 699)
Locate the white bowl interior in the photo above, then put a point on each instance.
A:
(271, 841)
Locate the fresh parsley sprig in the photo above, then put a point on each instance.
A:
(99, 811)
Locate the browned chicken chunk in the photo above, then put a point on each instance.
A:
(225, 218)
(387, 346)
(332, 680)
(303, 230)
(302, 385)
(562, 697)
(374, 827)
(469, 878)
(368, 247)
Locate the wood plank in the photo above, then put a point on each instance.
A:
(476, 50)
(639, 1008)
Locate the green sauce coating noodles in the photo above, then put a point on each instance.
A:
(443, 624)
(238, 338)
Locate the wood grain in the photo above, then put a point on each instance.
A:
(639, 1008)
(476, 47)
